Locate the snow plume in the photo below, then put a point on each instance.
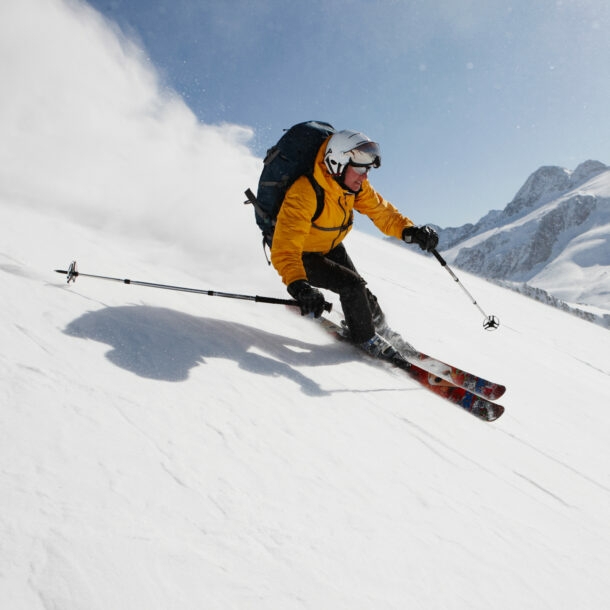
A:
(85, 114)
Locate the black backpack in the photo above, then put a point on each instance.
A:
(293, 156)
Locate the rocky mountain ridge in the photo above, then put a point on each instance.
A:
(554, 237)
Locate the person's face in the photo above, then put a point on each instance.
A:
(354, 177)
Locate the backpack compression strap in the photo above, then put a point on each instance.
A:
(251, 198)
(318, 190)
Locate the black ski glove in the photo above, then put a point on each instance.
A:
(310, 299)
(425, 237)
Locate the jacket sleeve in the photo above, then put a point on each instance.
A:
(292, 226)
(385, 216)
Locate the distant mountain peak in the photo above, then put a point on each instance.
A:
(554, 235)
(549, 182)
(543, 185)
(587, 170)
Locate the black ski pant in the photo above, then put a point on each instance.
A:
(336, 272)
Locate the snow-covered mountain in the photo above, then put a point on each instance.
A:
(553, 236)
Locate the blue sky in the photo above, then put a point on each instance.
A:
(466, 98)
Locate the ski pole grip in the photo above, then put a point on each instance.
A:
(327, 306)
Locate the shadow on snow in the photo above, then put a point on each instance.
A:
(164, 344)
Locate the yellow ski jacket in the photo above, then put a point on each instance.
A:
(295, 232)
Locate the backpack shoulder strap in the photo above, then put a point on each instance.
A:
(319, 191)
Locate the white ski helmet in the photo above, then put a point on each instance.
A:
(353, 148)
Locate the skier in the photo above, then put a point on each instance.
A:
(310, 254)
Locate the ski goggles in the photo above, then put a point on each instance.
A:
(366, 155)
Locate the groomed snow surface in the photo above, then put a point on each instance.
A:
(167, 450)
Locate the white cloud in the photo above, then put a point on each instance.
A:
(89, 132)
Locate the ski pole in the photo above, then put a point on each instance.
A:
(72, 274)
(491, 322)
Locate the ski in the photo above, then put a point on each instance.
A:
(479, 406)
(476, 405)
(473, 383)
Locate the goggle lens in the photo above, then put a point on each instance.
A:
(360, 169)
(366, 154)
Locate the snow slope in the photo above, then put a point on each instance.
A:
(167, 450)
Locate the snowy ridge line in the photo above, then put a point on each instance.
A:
(554, 234)
(542, 296)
